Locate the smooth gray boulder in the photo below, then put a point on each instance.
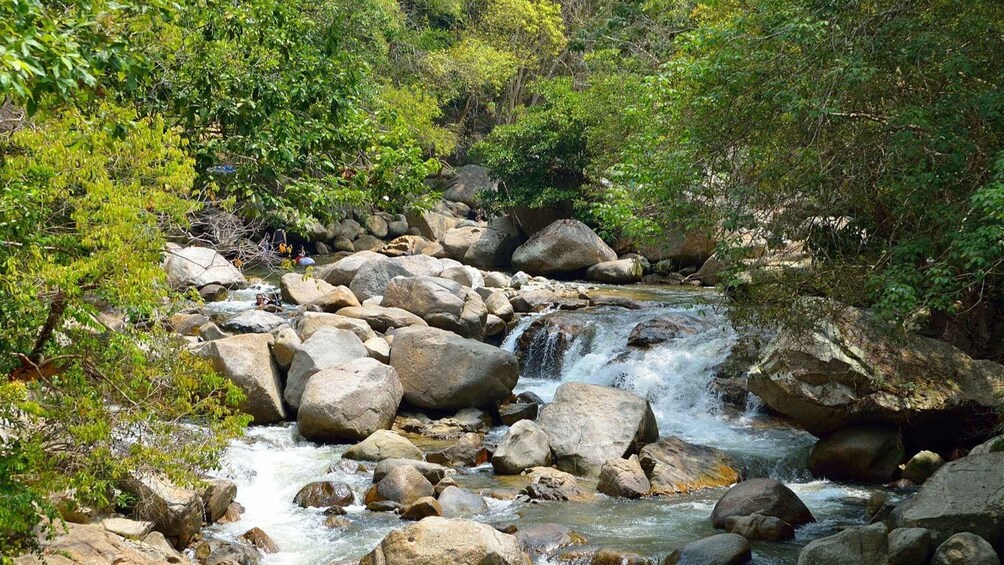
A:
(372, 277)
(761, 496)
(327, 348)
(620, 271)
(524, 446)
(562, 248)
(341, 272)
(459, 503)
(438, 541)
(440, 302)
(468, 183)
(589, 424)
(297, 288)
(383, 444)
(350, 401)
(196, 267)
(253, 322)
(441, 370)
(247, 362)
(909, 546)
(965, 549)
(862, 545)
(719, 549)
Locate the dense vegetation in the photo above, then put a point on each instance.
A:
(872, 132)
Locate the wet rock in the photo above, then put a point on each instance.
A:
(422, 508)
(965, 495)
(219, 552)
(608, 556)
(863, 545)
(372, 277)
(342, 272)
(620, 271)
(350, 401)
(247, 362)
(435, 541)
(196, 267)
(524, 446)
(383, 444)
(564, 247)
(623, 478)
(431, 471)
(551, 484)
(337, 522)
(253, 322)
(300, 289)
(589, 424)
(258, 538)
(512, 413)
(217, 498)
(323, 494)
(910, 546)
(921, 466)
(176, 512)
(232, 514)
(459, 503)
(403, 485)
(965, 549)
(757, 527)
(441, 303)
(468, 451)
(441, 370)
(659, 330)
(326, 349)
(546, 538)
(764, 496)
(719, 549)
(335, 299)
(849, 373)
(674, 466)
(869, 454)
(384, 506)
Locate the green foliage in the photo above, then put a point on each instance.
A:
(84, 202)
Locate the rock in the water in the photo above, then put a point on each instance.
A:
(847, 373)
(176, 512)
(323, 494)
(675, 466)
(542, 539)
(524, 446)
(217, 498)
(220, 552)
(348, 402)
(383, 444)
(719, 549)
(422, 508)
(863, 545)
(253, 322)
(623, 478)
(609, 556)
(301, 289)
(246, 360)
(459, 503)
(965, 495)
(372, 277)
(381, 318)
(757, 527)
(910, 546)
(564, 247)
(468, 451)
(404, 485)
(441, 303)
(869, 454)
(551, 484)
(512, 413)
(442, 370)
(659, 330)
(764, 496)
(437, 541)
(621, 271)
(589, 424)
(327, 348)
(965, 549)
(196, 267)
(341, 272)
(431, 471)
(258, 538)
(921, 466)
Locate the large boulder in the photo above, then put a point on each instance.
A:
(683, 248)
(965, 549)
(335, 299)
(372, 277)
(348, 402)
(965, 495)
(761, 496)
(74, 544)
(623, 478)
(485, 247)
(247, 362)
(341, 272)
(848, 372)
(301, 289)
(442, 370)
(459, 503)
(310, 322)
(381, 318)
(432, 225)
(620, 271)
(909, 546)
(432, 472)
(403, 485)
(589, 424)
(435, 541)
(562, 248)
(383, 444)
(324, 494)
(196, 267)
(467, 184)
(868, 454)
(254, 322)
(674, 466)
(719, 549)
(440, 302)
(759, 527)
(862, 545)
(327, 348)
(176, 512)
(524, 446)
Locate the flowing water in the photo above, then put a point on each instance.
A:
(272, 463)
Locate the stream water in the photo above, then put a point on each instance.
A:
(272, 463)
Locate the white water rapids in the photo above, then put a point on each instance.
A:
(272, 463)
